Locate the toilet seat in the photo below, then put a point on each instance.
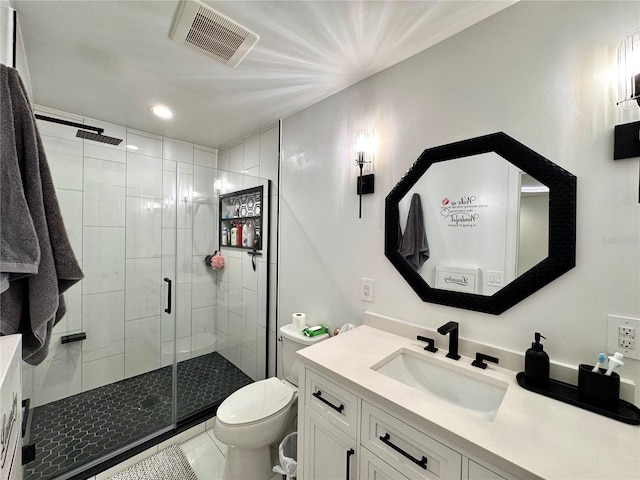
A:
(255, 402)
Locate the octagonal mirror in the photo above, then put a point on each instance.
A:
(481, 224)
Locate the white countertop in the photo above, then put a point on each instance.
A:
(541, 436)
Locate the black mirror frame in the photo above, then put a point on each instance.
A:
(562, 222)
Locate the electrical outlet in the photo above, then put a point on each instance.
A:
(626, 342)
(621, 332)
(625, 331)
(366, 289)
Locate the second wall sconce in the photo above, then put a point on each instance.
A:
(364, 147)
(627, 136)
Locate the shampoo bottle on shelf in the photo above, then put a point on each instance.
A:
(234, 235)
(536, 364)
(225, 235)
(245, 236)
(238, 242)
(250, 235)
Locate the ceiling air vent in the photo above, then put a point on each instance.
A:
(206, 31)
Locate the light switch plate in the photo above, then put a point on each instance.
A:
(494, 278)
(614, 337)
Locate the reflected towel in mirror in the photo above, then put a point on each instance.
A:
(414, 245)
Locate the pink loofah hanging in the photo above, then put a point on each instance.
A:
(217, 261)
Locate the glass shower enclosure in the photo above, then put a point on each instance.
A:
(153, 338)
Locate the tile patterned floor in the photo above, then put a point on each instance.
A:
(81, 428)
(206, 455)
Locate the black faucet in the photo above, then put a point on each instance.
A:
(451, 328)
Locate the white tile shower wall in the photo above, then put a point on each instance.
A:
(243, 323)
(60, 374)
(103, 259)
(104, 319)
(71, 206)
(103, 193)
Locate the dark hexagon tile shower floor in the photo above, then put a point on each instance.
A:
(84, 427)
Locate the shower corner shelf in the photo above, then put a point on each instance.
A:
(242, 207)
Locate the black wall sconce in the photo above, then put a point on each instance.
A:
(627, 136)
(364, 154)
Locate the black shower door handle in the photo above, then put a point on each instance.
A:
(168, 309)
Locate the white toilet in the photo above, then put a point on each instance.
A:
(260, 414)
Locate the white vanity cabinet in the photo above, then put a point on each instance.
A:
(479, 472)
(10, 407)
(343, 436)
(330, 415)
(412, 453)
(329, 453)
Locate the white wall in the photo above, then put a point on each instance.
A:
(6, 34)
(544, 73)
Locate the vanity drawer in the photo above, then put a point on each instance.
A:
(411, 452)
(372, 468)
(332, 402)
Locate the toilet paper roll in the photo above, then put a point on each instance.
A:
(299, 321)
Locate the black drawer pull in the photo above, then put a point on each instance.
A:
(422, 463)
(350, 452)
(318, 395)
(76, 337)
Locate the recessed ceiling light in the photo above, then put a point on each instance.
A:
(161, 111)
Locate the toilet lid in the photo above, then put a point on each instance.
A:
(255, 402)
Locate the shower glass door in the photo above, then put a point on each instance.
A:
(220, 318)
(95, 398)
(167, 337)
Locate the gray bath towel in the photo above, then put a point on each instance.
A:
(414, 246)
(19, 249)
(33, 303)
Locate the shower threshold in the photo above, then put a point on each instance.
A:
(80, 429)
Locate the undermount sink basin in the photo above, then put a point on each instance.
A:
(479, 394)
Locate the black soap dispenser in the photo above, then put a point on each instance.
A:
(536, 364)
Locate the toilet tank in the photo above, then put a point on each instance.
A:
(291, 342)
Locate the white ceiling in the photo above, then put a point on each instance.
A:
(111, 60)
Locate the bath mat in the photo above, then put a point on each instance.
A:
(168, 464)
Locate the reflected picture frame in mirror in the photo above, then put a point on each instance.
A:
(562, 222)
